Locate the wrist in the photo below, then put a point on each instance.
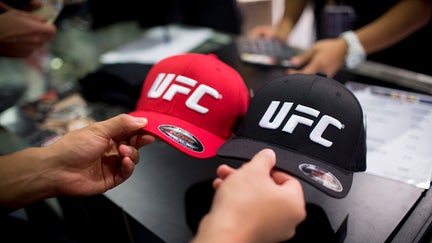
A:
(356, 53)
(224, 229)
(27, 178)
(44, 172)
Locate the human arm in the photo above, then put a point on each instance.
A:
(26, 5)
(84, 162)
(399, 22)
(21, 32)
(253, 204)
(292, 12)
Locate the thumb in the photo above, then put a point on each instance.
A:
(123, 126)
(262, 162)
(302, 58)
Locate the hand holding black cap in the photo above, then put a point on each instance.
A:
(313, 123)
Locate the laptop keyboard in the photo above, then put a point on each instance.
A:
(264, 51)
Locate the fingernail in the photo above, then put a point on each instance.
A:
(140, 120)
(269, 152)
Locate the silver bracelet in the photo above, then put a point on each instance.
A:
(356, 54)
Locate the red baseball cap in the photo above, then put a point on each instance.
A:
(193, 102)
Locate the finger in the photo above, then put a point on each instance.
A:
(292, 71)
(140, 140)
(48, 32)
(302, 58)
(307, 61)
(121, 127)
(217, 183)
(125, 171)
(297, 62)
(310, 68)
(223, 171)
(256, 32)
(129, 151)
(280, 177)
(44, 31)
(262, 162)
(287, 182)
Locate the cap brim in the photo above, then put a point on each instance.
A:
(182, 135)
(333, 181)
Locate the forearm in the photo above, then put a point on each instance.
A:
(223, 229)
(293, 11)
(398, 23)
(24, 178)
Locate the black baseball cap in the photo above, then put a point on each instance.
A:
(314, 124)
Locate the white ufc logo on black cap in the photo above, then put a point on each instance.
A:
(315, 126)
(294, 120)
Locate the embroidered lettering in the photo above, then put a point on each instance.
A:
(168, 85)
(272, 121)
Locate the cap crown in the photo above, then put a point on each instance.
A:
(311, 115)
(193, 101)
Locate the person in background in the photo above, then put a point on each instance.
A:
(103, 155)
(21, 31)
(393, 32)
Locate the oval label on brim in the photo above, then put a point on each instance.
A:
(181, 137)
(321, 176)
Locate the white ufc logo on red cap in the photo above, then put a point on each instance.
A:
(291, 124)
(164, 86)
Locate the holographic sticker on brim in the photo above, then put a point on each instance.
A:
(182, 137)
(321, 176)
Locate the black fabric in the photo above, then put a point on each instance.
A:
(148, 13)
(316, 228)
(20, 230)
(85, 220)
(118, 84)
(223, 15)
